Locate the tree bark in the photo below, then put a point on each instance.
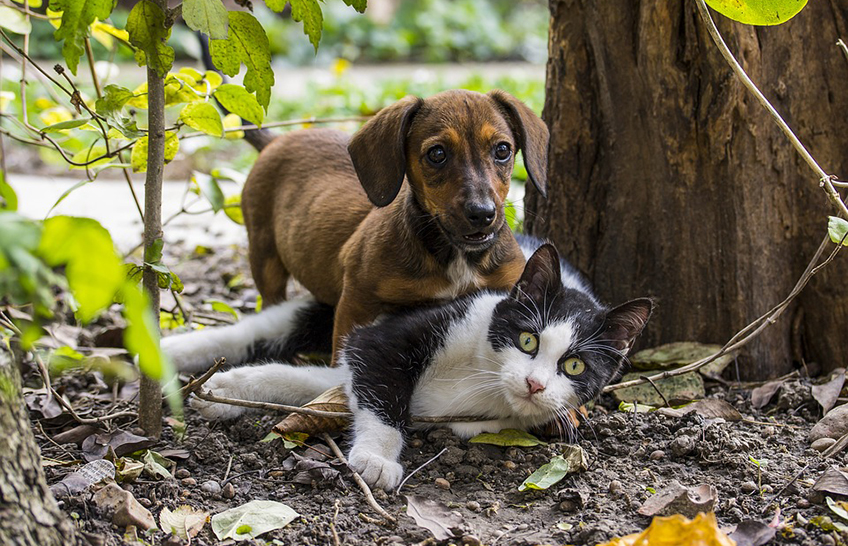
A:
(29, 515)
(668, 179)
(150, 392)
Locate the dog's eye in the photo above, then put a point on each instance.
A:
(502, 151)
(436, 155)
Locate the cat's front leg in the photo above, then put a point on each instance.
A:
(376, 449)
(471, 429)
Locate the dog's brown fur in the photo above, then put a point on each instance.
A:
(308, 216)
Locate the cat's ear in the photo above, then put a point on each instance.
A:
(542, 275)
(624, 323)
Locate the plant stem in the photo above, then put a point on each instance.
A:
(150, 392)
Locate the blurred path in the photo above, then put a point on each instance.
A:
(110, 202)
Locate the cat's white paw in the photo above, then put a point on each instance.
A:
(189, 352)
(224, 385)
(375, 469)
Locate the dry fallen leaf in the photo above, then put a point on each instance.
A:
(763, 394)
(331, 400)
(434, 516)
(752, 533)
(677, 530)
(97, 445)
(676, 499)
(252, 519)
(184, 522)
(827, 393)
(833, 481)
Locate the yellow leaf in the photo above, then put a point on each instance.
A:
(339, 67)
(140, 97)
(138, 157)
(88, 154)
(232, 208)
(5, 98)
(106, 33)
(55, 115)
(231, 121)
(677, 530)
(55, 18)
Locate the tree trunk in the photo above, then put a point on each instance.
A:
(668, 179)
(28, 513)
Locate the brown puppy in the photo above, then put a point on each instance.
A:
(333, 211)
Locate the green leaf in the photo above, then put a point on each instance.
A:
(222, 307)
(113, 100)
(252, 519)
(65, 125)
(547, 474)
(237, 100)
(8, 197)
(246, 43)
(146, 27)
(309, 12)
(68, 192)
(14, 21)
(153, 253)
(629, 407)
(508, 437)
(203, 117)
(837, 228)
(210, 189)
(758, 12)
(90, 153)
(92, 266)
(138, 157)
(77, 17)
(358, 5)
(206, 16)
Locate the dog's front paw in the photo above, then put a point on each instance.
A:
(375, 469)
(222, 386)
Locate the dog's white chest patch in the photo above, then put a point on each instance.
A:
(462, 278)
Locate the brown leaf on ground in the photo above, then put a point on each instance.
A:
(708, 408)
(76, 435)
(827, 393)
(752, 533)
(434, 516)
(97, 445)
(677, 499)
(761, 395)
(833, 481)
(331, 400)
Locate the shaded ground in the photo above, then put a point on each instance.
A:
(631, 456)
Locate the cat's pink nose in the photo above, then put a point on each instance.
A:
(534, 386)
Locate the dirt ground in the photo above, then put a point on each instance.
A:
(631, 456)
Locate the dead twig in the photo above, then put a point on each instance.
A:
(336, 540)
(837, 447)
(654, 385)
(358, 479)
(195, 384)
(209, 397)
(785, 487)
(92, 420)
(439, 454)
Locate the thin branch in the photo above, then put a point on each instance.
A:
(93, 420)
(436, 456)
(358, 479)
(825, 179)
(286, 123)
(209, 397)
(758, 325)
(193, 385)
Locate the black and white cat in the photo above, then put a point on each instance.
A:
(516, 360)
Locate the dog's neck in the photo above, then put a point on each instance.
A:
(420, 227)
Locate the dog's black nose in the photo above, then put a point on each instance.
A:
(480, 214)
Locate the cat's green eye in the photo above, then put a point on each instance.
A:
(527, 342)
(572, 366)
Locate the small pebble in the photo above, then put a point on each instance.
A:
(212, 487)
(827, 540)
(682, 446)
(769, 431)
(823, 443)
(185, 493)
(144, 501)
(615, 487)
(803, 503)
(471, 540)
(182, 473)
(748, 487)
(229, 491)
(522, 527)
(568, 506)
(474, 506)
(657, 455)
(767, 489)
(416, 443)
(509, 465)
(188, 482)
(277, 473)
(442, 483)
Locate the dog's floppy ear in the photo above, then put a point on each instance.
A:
(378, 150)
(532, 135)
